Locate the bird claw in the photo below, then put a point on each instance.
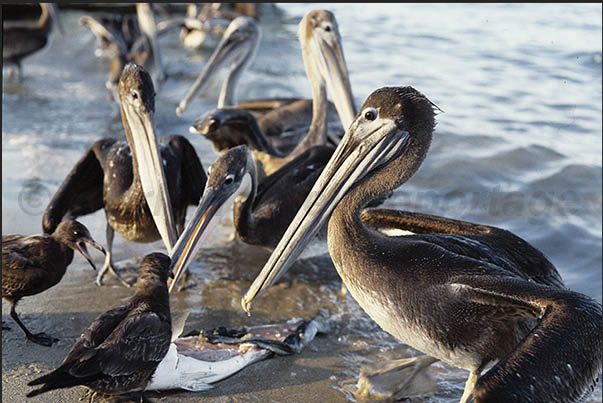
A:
(395, 380)
(103, 272)
(42, 339)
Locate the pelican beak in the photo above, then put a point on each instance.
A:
(81, 246)
(335, 73)
(363, 148)
(54, 14)
(146, 20)
(150, 168)
(233, 47)
(214, 202)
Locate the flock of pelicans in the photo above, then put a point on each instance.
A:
(467, 294)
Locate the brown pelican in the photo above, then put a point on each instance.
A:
(325, 66)
(243, 34)
(114, 33)
(197, 25)
(127, 39)
(262, 209)
(136, 182)
(229, 127)
(19, 42)
(32, 264)
(121, 349)
(467, 294)
(323, 58)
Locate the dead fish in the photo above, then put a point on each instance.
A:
(193, 363)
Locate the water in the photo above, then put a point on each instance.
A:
(519, 144)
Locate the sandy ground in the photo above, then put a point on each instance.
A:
(67, 309)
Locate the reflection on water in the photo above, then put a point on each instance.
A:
(519, 144)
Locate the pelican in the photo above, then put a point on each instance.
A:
(467, 294)
(115, 33)
(326, 69)
(262, 209)
(196, 26)
(144, 188)
(19, 42)
(127, 39)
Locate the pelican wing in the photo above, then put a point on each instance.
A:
(81, 192)
(563, 350)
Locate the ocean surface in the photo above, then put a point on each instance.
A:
(518, 146)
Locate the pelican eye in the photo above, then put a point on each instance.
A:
(328, 28)
(229, 179)
(134, 94)
(370, 114)
(76, 233)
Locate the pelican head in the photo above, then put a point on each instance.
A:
(394, 122)
(236, 50)
(324, 61)
(230, 127)
(231, 180)
(109, 42)
(137, 102)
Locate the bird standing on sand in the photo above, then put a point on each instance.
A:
(121, 349)
(470, 295)
(32, 264)
(143, 185)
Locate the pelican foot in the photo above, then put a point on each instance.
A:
(42, 339)
(396, 380)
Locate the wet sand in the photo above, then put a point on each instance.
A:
(67, 309)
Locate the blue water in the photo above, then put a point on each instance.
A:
(518, 146)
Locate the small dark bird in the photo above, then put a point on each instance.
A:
(122, 347)
(19, 42)
(32, 264)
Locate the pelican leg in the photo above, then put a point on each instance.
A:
(41, 338)
(108, 266)
(397, 379)
(469, 385)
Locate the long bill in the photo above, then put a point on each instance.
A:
(361, 150)
(150, 169)
(231, 49)
(214, 203)
(146, 20)
(334, 70)
(196, 231)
